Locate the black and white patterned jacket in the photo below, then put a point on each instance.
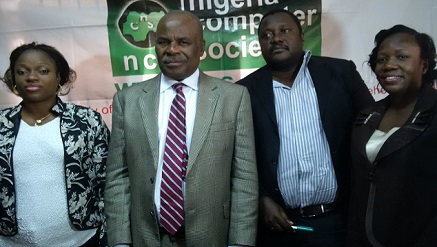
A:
(85, 137)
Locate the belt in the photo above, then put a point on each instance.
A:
(312, 210)
(179, 235)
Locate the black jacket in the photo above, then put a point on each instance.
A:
(341, 93)
(394, 199)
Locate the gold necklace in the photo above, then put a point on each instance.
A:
(38, 122)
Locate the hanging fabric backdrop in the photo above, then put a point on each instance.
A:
(111, 43)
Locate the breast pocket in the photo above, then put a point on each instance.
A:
(220, 140)
(222, 130)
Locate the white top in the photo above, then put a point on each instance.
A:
(166, 96)
(42, 213)
(376, 141)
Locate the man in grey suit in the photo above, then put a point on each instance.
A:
(220, 186)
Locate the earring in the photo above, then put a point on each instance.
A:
(59, 89)
(425, 70)
(15, 91)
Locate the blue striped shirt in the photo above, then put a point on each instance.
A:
(305, 172)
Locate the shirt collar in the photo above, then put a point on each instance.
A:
(306, 59)
(192, 81)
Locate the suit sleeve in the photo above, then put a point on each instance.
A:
(117, 193)
(361, 97)
(244, 192)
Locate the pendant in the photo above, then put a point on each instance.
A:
(38, 122)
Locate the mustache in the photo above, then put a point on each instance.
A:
(274, 47)
(173, 59)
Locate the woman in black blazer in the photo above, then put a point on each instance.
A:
(394, 147)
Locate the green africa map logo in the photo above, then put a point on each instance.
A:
(131, 31)
(139, 27)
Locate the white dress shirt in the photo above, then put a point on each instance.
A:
(166, 96)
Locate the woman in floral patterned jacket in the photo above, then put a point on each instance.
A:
(52, 157)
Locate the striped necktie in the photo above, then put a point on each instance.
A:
(174, 166)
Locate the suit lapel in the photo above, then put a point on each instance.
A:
(416, 124)
(365, 124)
(206, 103)
(263, 88)
(149, 106)
(321, 76)
(369, 120)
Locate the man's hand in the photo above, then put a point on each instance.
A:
(273, 215)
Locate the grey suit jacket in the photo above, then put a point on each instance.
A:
(221, 196)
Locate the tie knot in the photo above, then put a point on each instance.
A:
(178, 86)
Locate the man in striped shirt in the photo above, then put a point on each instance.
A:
(303, 108)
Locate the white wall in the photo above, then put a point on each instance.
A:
(349, 27)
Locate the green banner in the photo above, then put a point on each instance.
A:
(230, 31)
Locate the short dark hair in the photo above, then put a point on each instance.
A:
(425, 42)
(67, 75)
(275, 11)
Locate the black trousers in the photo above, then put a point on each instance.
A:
(329, 231)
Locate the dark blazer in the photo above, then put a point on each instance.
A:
(85, 137)
(394, 199)
(341, 93)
